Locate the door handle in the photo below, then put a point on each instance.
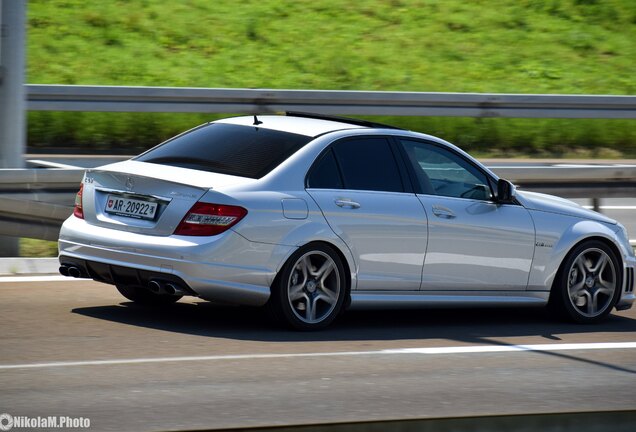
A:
(443, 212)
(345, 202)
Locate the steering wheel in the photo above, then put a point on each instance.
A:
(470, 191)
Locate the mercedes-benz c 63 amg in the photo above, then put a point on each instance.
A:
(310, 215)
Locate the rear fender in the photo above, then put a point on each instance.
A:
(267, 223)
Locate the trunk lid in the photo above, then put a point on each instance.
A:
(161, 195)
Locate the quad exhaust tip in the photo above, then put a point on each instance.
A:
(173, 289)
(165, 288)
(155, 287)
(72, 271)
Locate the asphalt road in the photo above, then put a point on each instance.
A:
(76, 348)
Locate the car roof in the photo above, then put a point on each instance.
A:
(311, 127)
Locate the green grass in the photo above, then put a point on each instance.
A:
(523, 46)
(33, 248)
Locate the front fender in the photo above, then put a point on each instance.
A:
(556, 236)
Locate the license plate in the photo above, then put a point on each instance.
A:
(133, 208)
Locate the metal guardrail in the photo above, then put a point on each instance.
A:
(35, 202)
(574, 181)
(211, 100)
(28, 180)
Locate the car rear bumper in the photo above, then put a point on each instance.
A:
(225, 268)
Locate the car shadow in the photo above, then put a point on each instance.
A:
(470, 326)
(253, 324)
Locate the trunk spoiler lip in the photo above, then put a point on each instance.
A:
(183, 176)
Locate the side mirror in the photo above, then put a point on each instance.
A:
(505, 191)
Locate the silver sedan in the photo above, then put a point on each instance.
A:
(310, 215)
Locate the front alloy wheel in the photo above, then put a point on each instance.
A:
(310, 291)
(590, 282)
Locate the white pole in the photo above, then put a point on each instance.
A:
(12, 103)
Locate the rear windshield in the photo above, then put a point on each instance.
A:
(243, 151)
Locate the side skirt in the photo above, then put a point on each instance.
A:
(432, 299)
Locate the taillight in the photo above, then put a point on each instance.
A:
(205, 219)
(78, 211)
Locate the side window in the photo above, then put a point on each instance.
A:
(324, 174)
(442, 172)
(368, 164)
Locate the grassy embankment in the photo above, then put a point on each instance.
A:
(35, 248)
(512, 46)
(582, 46)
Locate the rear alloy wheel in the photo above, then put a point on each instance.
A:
(144, 296)
(590, 283)
(310, 291)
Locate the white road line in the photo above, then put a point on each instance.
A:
(56, 278)
(512, 348)
(402, 351)
(612, 207)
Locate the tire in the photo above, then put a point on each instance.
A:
(143, 296)
(588, 284)
(310, 290)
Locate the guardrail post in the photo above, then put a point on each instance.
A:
(596, 204)
(12, 92)
(12, 95)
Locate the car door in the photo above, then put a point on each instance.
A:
(368, 201)
(474, 242)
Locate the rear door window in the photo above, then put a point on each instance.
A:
(368, 164)
(244, 151)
